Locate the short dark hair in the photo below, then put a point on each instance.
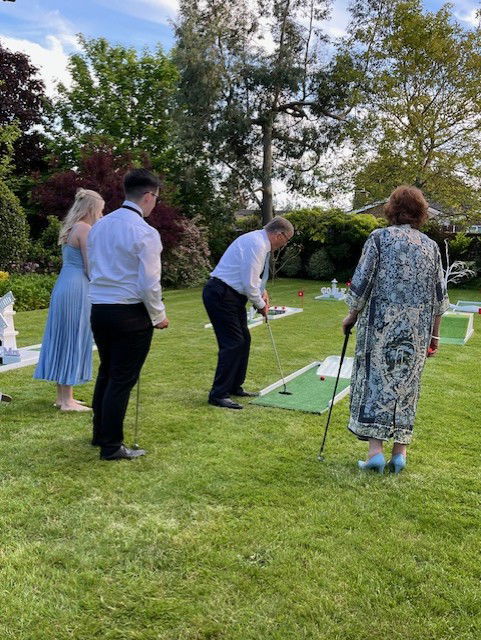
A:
(407, 205)
(139, 181)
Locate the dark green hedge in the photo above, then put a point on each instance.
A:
(329, 243)
(13, 230)
(31, 291)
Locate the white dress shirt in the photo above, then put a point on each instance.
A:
(242, 265)
(124, 261)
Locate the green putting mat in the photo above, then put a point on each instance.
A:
(455, 329)
(309, 393)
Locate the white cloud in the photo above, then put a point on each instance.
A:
(471, 17)
(51, 59)
(158, 11)
(36, 23)
(337, 23)
(47, 38)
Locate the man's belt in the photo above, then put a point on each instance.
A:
(237, 293)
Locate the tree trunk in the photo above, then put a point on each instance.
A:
(267, 204)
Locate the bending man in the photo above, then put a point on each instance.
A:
(239, 277)
(124, 259)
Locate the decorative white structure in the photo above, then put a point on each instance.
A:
(332, 292)
(457, 271)
(10, 356)
(8, 335)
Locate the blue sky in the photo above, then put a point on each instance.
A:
(45, 29)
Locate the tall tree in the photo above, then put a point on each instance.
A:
(257, 98)
(117, 97)
(424, 122)
(23, 103)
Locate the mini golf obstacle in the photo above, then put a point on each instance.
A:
(332, 292)
(10, 356)
(310, 388)
(254, 319)
(456, 327)
(467, 306)
(18, 358)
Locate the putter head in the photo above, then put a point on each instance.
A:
(320, 457)
(286, 393)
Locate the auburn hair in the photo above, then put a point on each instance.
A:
(407, 205)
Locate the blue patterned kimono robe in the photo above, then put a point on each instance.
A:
(398, 289)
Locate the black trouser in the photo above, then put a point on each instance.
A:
(122, 333)
(227, 312)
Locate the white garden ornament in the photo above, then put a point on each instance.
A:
(457, 271)
(332, 292)
(10, 356)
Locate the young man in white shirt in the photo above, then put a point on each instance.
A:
(237, 279)
(126, 296)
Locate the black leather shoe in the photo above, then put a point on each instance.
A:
(123, 453)
(5, 398)
(240, 393)
(226, 403)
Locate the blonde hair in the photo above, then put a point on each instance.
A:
(86, 201)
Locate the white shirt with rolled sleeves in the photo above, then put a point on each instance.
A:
(124, 262)
(242, 265)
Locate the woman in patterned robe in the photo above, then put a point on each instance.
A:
(397, 297)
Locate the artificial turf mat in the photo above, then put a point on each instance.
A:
(453, 329)
(309, 393)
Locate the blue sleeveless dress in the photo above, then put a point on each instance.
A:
(66, 353)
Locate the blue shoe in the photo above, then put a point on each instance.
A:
(397, 463)
(376, 463)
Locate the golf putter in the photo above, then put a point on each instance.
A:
(136, 426)
(320, 457)
(284, 392)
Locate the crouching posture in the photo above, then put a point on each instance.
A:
(239, 277)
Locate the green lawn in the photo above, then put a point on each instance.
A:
(230, 528)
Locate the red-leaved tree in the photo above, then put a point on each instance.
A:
(23, 102)
(103, 171)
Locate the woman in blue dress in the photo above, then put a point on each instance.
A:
(397, 297)
(66, 353)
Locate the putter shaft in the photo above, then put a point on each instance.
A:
(136, 426)
(285, 391)
(320, 457)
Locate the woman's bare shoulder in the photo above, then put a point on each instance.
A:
(80, 228)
